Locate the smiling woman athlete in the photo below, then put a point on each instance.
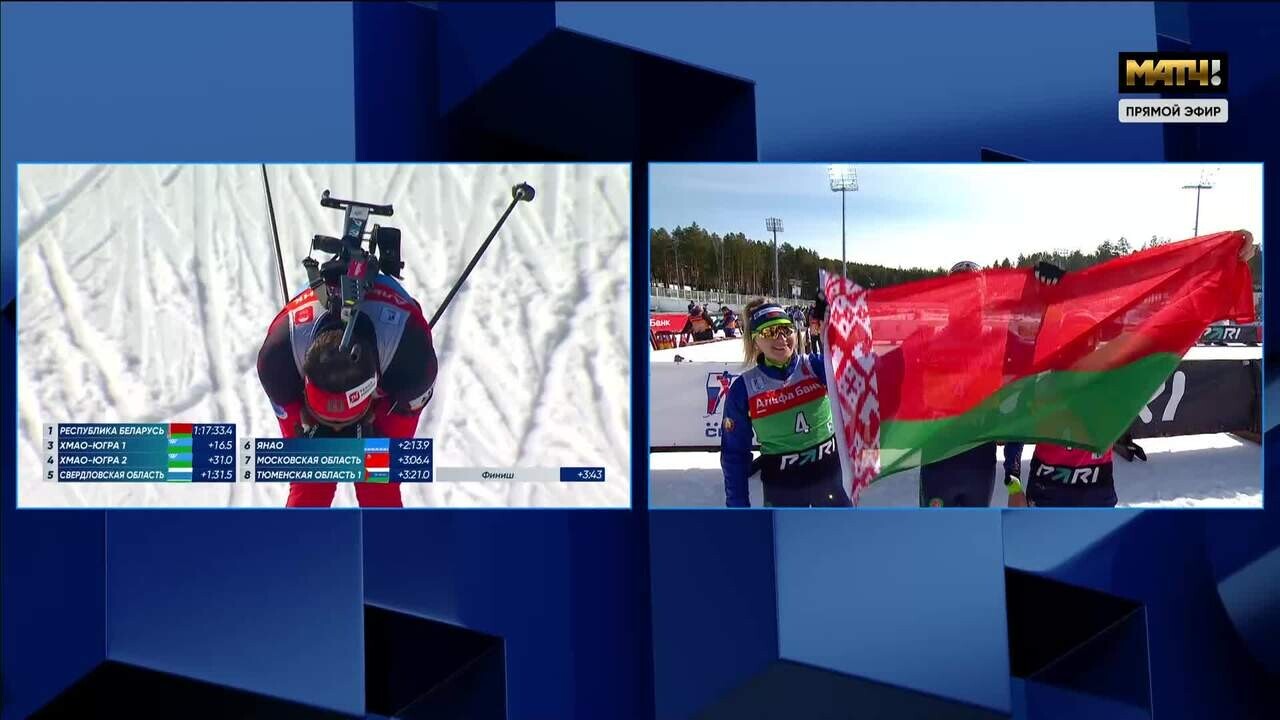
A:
(782, 398)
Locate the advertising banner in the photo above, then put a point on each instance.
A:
(1202, 396)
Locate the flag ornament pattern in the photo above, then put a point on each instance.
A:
(850, 367)
(926, 370)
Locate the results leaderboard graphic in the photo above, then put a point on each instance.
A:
(207, 452)
(378, 460)
(140, 452)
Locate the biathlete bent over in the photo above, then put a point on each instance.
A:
(376, 389)
(782, 397)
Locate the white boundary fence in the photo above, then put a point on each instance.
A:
(673, 299)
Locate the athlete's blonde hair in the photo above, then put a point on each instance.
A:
(749, 351)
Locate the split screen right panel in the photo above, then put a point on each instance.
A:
(838, 342)
(955, 335)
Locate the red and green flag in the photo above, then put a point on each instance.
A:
(922, 371)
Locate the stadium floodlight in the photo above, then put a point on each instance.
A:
(843, 179)
(1204, 184)
(774, 225)
(718, 244)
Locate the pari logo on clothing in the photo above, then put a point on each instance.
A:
(717, 388)
(340, 407)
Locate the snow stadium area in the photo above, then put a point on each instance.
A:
(145, 292)
(1190, 471)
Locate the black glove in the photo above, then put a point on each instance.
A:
(324, 431)
(359, 429)
(820, 306)
(1012, 470)
(1048, 273)
(1128, 449)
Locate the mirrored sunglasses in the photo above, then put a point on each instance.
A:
(773, 331)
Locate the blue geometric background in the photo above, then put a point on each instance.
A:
(627, 614)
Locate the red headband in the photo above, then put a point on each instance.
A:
(340, 407)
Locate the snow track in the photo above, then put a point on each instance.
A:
(1189, 471)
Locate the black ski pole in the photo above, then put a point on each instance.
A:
(275, 235)
(523, 191)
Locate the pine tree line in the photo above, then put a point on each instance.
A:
(691, 256)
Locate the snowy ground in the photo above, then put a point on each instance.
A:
(1212, 470)
(1201, 471)
(145, 292)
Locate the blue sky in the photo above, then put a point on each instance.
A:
(933, 215)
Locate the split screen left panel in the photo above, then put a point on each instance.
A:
(381, 335)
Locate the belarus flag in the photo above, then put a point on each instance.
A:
(922, 371)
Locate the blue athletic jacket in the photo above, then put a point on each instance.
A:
(736, 433)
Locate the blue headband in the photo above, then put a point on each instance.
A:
(766, 315)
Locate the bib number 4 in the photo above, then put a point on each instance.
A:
(802, 425)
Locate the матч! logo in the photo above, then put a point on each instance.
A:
(1173, 73)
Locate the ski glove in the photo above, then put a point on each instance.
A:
(354, 430)
(820, 306)
(311, 428)
(1128, 449)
